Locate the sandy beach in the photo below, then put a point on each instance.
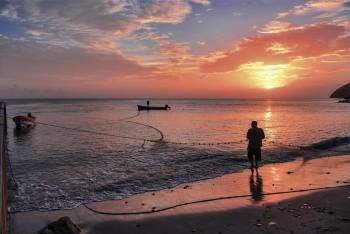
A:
(276, 200)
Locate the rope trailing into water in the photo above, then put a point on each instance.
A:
(203, 143)
(99, 133)
(228, 143)
(130, 117)
(150, 126)
(286, 145)
(114, 120)
(154, 210)
(160, 139)
(108, 134)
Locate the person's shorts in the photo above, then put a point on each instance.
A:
(254, 152)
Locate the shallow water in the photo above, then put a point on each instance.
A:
(62, 168)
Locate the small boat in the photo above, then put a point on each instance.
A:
(147, 108)
(24, 121)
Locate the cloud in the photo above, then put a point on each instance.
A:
(77, 39)
(282, 47)
(235, 13)
(7, 10)
(276, 26)
(320, 6)
(174, 49)
(203, 2)
(33, 62)
(81, 23)
(172, 12)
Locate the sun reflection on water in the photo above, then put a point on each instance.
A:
(268, 122)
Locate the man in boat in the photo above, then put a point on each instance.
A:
(255, 136)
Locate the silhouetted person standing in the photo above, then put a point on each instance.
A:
(147, 103)
(255, 136)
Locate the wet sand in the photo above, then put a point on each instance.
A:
(264, 202)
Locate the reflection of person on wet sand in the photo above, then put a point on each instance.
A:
(256, 186)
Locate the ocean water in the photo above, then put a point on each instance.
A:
(93, 150)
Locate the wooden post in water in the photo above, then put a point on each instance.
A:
(5, 118)
(3, 171)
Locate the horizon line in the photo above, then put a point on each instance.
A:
(161, 98)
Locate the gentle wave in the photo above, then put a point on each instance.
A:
(187, 164)
(329, 143)
(61, 169)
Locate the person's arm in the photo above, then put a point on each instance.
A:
(248, 135)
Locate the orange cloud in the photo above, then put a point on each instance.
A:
(87, 23)
(276, 27)
(330, 6)
(165, 12)
(282, 47)
(203, 2)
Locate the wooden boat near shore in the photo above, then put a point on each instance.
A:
(24, 121)
(148, 108)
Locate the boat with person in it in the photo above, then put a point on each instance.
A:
(24, 121)
(148, 108)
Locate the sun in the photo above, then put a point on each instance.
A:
(269, 76)
(269, 86)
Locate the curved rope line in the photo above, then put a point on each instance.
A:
(205, 143)
(206, 200)
(97, 133)
(131, 117)
(115, 120)
(150, 126)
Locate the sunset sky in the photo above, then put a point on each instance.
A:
(174, 49)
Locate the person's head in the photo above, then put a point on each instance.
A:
(29, 114)
(254, 124)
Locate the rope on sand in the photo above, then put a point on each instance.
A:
(154, 210)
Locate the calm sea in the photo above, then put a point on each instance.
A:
(90, 154)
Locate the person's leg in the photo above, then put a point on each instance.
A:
(257, 154)
(250, 158)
